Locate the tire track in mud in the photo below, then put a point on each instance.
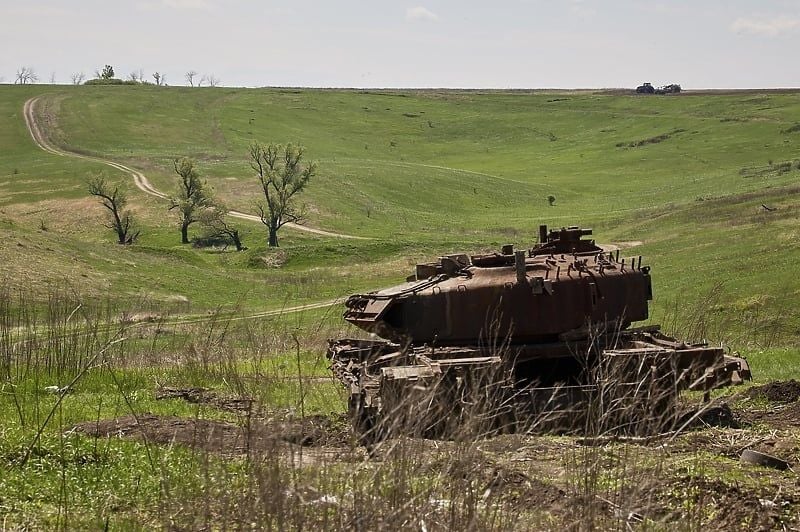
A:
(140, 180)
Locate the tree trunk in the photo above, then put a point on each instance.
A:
(273, 236)
(184, 233)
(121, 236)
(237, 241)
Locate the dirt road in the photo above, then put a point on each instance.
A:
(142, 183)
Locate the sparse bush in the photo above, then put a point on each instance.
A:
(551, 200)
(211, 241)
(112, 81)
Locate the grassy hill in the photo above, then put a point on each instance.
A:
(683, 181)
(420, 173)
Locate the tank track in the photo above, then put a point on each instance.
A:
(436, 391)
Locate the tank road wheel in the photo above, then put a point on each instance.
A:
(364, 420)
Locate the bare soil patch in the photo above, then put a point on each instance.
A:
(532, 471)
(219, 436)
(614, 246)
(206, 396)
(777, 416)
(777, 391)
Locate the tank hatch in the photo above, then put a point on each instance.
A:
(564, 240)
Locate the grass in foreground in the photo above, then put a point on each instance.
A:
(136, 443)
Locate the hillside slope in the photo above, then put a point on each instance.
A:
(424, 172)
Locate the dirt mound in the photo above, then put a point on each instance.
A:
(219, 436)
(776, 416)
(778, 391)
(215, 436)
(205, 396)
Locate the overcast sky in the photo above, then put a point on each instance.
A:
(419, 43)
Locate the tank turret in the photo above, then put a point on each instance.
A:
(562, 285)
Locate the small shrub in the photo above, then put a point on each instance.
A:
(551, 200)
(111, 81)
(210, 241)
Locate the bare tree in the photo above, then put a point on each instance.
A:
(282, 175)
(136, 76)
(77, 78)
(160, 79)
(26, 75)
(193, 197)
(190, 77)
(218, 227)
(107, 73)
(115, 200)
(209, 79)
(52, 78)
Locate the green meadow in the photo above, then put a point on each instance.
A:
(705, 186)
(418, 173)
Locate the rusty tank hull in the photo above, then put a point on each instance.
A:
(519, 339)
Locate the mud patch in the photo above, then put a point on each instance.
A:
(776, 392)
(782, 416)
(219, 436)
(209, 435)
(207, 397)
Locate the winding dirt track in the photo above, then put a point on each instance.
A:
(143, 184)
(141, 181)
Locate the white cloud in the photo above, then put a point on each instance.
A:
(420, 13)
(765, 26)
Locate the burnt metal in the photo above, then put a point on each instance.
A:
(538, 334)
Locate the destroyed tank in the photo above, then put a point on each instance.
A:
(520, 339)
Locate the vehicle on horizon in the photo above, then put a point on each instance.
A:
(647, 88)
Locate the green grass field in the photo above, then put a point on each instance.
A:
(681, 180)
(420, 173)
